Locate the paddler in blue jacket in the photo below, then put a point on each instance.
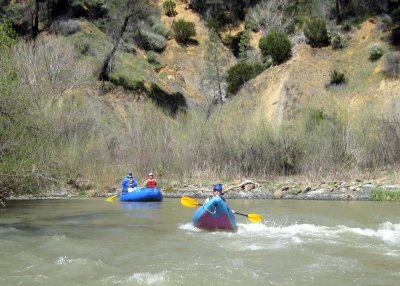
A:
(129, 182)
(217, 191)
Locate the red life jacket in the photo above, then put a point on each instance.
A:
(151, 183)
(131, 183)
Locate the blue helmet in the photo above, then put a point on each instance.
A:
(217, 187)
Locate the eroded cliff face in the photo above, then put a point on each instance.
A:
(279, 93)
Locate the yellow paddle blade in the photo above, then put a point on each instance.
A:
(189, 202)
(254, 217)
(110, 199)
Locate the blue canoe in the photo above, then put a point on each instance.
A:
(142, 195)
(215, 215)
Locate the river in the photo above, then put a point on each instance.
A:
(94, 242)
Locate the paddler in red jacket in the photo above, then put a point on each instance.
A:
(150, 181)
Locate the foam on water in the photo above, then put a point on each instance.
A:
(63, 260)
(389, 232)
(189, 227)
(272, 236)
(144, 278)
(297, 233)
(148, 278)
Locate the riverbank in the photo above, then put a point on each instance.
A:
(357, 190)
(337, 191)
(324, 191)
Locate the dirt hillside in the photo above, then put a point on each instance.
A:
(185, 64)
(277, 93)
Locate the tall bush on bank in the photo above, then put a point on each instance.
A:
(11, 114)
(183, 30)
(277, 45)
(316, 33)
(44, 72)
(240, 73)
(320, 134)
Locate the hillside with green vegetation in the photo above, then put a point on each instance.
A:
(196, 91)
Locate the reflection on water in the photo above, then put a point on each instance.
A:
(93, 242)
(141, 209)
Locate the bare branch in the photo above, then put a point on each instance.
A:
(268, 15)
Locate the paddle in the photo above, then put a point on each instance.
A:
(110, 199)
(192, 203)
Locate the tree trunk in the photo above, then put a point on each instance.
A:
(338, 13)
(105, 69)
(35, 21)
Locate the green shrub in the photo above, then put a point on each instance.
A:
(244, 44)
(169, 8)
(346, 26)
(384, 195)
(152, 58)
(14, 13)
(219, 21)
(83, 48)
(67, 27)
(240, 74)
(158, 27)
(277, 45)
(89, 8)
(133, 85)
(7, 35)
(250, 25)
(316, 33)
(375, 52)
(313, 118)
(391, 64)
(338, 41)
(151, 41)
(337, 77)
(183, 30)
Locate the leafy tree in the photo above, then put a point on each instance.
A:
(277, 45)
(183, 30)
